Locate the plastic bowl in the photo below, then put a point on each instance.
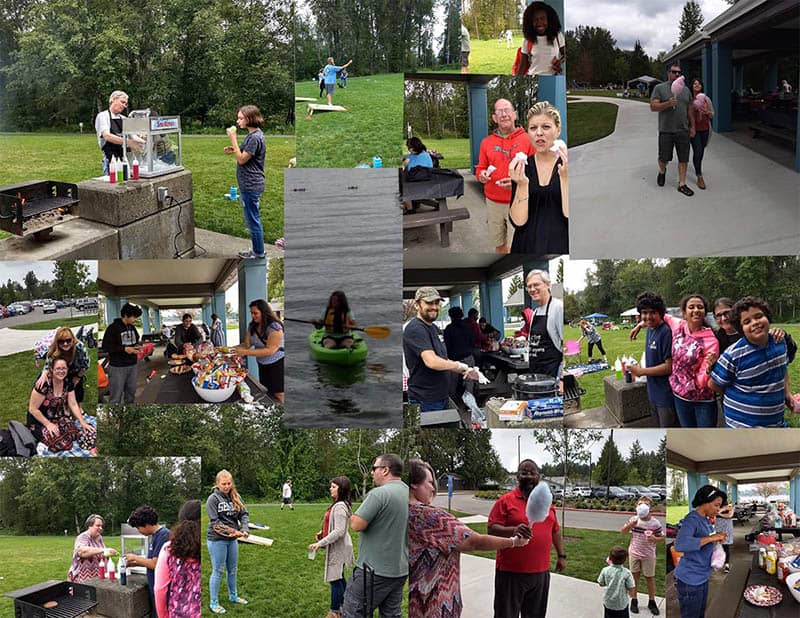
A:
(792, 581)
(210, 395)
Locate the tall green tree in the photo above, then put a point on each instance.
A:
(611, 468)
(691, 20)
(70, 278)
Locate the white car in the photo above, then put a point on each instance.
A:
(49, 307)
(582, 492)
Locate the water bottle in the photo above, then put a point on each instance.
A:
(618, 368)
(234, 193)
(123, 575)
(377, 162)
(135, 168)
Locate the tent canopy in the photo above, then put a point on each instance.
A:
(594, 316)
(629, 312)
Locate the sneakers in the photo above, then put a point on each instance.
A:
(661, 179)
(249, 255)
(280, 243)
(726, 568)
(634, 606)
(685, 190)
(217, 609)
(651, 605)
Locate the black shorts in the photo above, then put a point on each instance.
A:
(287, 500)
(679, 140)
(271, 377)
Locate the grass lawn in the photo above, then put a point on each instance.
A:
(454, 149)
(280, 580)
(617, 343)
(611, 94)
(587, 551)
(677, 512)
(17, 375)
(492, 57)
(72, 158)
(587, 122)
(72, 323)
(373, 126)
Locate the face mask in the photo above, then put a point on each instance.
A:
(642, 510)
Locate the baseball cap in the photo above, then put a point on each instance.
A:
(428, 294)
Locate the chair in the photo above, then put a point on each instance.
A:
(573, 350)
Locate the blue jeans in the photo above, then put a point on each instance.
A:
(699, 142)
(430, 406)
(252, 219)
(105, 166)
(224, 557)
(337, 594)
(692, 599)
(696, 413)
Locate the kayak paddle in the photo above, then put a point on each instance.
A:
(374, 331)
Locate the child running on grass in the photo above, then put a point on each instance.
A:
(619, 584)
(646, 531)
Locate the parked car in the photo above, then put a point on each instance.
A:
(69, 302)
(620, 494)
(49, 307)
(558, 493)
(661, 490)
(60, 304)
(598, 492)
(88, 303)
(22, 308)
(639, 491)
(582, 492)
(38, 302)
(12, 310)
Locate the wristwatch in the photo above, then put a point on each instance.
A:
(562, 555)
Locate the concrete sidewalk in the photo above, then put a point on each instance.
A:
(13, 341)
(618, 211)
(569, 597)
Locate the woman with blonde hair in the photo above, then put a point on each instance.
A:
(65, 345)
(539, 208)
(228, 520)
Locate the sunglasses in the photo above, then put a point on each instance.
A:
(376, 467)
(65, 341)
(675, 72)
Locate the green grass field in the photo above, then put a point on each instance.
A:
(492, 57)
(455, 151)
(617, 343)
(72, 158)
(611, 94)
(279, 580)
(587, 551)
(588, 122)
(677, 512)
(69, 322)
(373, 126)
(17, 375)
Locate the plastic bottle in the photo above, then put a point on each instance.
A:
(762, 558)
(642, 363)
(111, 570)
(123, 574)
(377, 162)
(771, 560)
(112, 170)
(124, 168)
(102, 568)
(135, 168)
(629, 362)
(618, 368)
(119, 170)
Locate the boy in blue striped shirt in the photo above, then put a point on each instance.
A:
(752, 373)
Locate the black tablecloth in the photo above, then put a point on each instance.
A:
(443, 184)
(178, 389)
(787, 608)
(510, 365)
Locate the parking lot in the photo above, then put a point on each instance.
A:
(38, 316)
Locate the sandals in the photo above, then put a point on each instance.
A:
(661, 179)
(238, 600)
(685, 190)
(217, 609)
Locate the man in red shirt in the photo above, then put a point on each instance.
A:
(522, 574)
(497, 151)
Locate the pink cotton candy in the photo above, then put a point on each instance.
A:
(539, 503)
(678, 86)
(699, 101)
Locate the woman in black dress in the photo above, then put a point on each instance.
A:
(539, 199)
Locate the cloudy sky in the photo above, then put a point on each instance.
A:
(653, 22)
(17, 270)
(504, 442)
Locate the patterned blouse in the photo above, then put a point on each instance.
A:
(689, 379)
(82, 569)
(433, 562)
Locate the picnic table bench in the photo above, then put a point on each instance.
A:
(432, 195)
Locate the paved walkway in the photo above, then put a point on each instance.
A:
(617, 210)
(13, 341)
(569, 596)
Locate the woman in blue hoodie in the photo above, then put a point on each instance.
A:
(696, 540)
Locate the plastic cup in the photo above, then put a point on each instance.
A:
(312, 553)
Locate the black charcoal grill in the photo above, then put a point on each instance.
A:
(72, 600)
(572, 391)
(534, 386)
(35, 207)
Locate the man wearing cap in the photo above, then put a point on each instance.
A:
(426, 355)
(497, 151)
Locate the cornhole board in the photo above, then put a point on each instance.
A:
(304, 99)
(257, 526)
(256, 540)
(319, 107)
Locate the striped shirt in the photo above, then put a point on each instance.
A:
(754, 379)
(640, 546)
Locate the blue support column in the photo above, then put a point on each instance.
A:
(494, 314)
(466, 301)
(206, 313)
(483, 292)
(771, 78)
(695, 481)
(738, 78)
(252, 277)
(553, 88)
(218, 307)
(794, 494)
(707, 72)
(721, 77)
(723, 486)
(113, 306)
(733, 493)
(478, 119)
(455, 301)
(157, 318)
(145, 319)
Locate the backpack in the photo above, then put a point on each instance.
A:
(184, 597)
(17, 441)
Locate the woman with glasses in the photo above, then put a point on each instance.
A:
(88, 551)
(65, 345)
(727, 333)
(53, 402)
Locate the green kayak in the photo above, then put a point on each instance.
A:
(337, 356)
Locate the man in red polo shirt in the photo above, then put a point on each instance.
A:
(522, 574)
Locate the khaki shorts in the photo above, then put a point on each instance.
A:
(500, 230)
(647, 566)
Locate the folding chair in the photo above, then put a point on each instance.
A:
(572, 351)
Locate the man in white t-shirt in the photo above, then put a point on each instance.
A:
(286, 493)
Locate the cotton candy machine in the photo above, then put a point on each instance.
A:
(53, 599)
(155, 141)
(35, 207)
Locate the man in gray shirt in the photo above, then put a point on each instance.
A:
(382, 520)
(674, 124)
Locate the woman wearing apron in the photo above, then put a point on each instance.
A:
(546, 326)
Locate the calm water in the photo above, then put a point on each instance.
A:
(343, 231)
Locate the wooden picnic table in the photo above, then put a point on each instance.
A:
(431, 196)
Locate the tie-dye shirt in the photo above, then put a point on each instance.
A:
(433, 562)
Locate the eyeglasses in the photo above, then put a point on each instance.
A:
(675, 72)
(60, 341)
(506, 111)
(376, 467)
(723, 315)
